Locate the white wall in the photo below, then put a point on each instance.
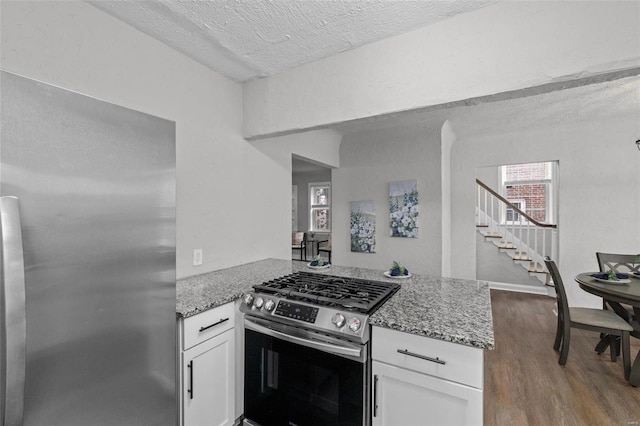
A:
(448, 137)
(323, 146)
(506, 46)
(220, 177)
(369, 161)
(599, 174)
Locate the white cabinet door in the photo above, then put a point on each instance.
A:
(208, 372)
(403, 397)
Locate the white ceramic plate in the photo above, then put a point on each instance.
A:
(326, 265)
(635, 276)
(396, 277)
(618, 282)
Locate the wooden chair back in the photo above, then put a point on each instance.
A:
(621, 263)
(297, 238)
(327, 246)
(561, 294)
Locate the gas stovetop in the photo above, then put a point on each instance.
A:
(353, 294)
(318, 302)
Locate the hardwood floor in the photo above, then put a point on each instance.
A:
(525, 385)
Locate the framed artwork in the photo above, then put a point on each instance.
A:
(363, 227)
(403, 209)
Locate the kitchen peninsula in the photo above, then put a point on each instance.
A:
(427, 340)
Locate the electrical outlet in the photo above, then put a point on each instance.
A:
(197, 257)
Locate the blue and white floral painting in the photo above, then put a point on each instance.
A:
(403, 209)
(363, 227)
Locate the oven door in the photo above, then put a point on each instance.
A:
(294, 377)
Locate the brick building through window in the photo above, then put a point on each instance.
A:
(529, 187)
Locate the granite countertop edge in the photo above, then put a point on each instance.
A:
(448, 309)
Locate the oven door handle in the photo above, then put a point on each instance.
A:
(314, 344)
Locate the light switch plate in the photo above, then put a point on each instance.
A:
(197, 257)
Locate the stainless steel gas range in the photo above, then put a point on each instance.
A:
(307, 356)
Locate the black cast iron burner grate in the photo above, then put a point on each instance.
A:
(357, 294)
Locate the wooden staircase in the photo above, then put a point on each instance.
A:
(526, 241)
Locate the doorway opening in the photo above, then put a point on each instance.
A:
(311, 204)
(516, 224)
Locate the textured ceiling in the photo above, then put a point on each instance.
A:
(246, 39)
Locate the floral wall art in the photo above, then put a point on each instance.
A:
(363, 227)
(403, 209)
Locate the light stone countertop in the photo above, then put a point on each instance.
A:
(449, 309)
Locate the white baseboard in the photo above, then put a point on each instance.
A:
(521, 288)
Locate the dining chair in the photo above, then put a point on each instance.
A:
(621, 263)
(299, 242)
(326, 248)
(598, 320)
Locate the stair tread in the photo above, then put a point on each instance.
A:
(492, 235)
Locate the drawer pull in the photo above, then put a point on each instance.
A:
(190, 390)
(213, 325)
(427, 358)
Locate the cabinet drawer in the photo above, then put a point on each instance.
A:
(458, 363)
(208, 324)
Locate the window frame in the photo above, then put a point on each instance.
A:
(314, 207)
(519, 203)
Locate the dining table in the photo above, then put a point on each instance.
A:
(624, 291)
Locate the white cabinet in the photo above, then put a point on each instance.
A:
(208, 368)
(209, 377)
(423, 381)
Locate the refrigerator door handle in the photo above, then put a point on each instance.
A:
(13, 356)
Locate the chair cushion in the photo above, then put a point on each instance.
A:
(598, 318)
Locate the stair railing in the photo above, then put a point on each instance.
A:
(531, 239)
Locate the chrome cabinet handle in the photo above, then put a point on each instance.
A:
(14, 321)
(213, 325)
(427, 358)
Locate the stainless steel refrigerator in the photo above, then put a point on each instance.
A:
(88, 260)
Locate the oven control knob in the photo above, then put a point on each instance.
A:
(354, 324)
(258, 303)
(338, 320)
(269, 305)
(248, 299)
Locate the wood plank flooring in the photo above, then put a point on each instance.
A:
(525, 385)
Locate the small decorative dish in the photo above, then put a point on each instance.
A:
(635, 274)
(397, 271)
(388, 275)
(316, 266)
(604, 277)
(318, 263)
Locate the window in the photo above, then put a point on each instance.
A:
(320, 206)
(528, 187)
(513, 215)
